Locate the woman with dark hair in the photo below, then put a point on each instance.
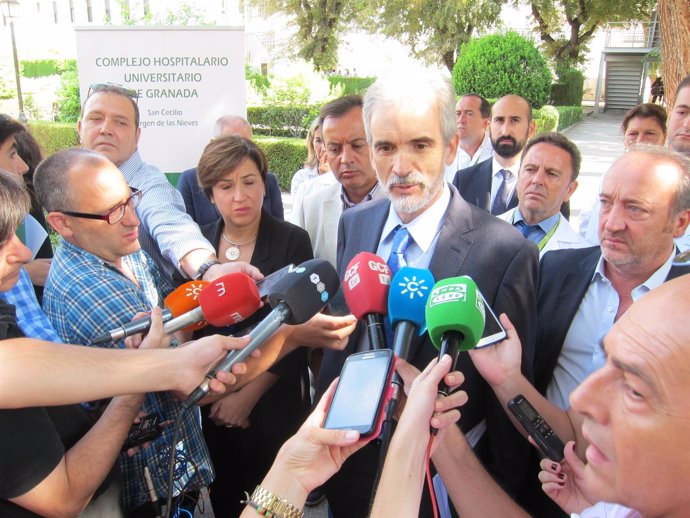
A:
(30, 151)
(245, 429)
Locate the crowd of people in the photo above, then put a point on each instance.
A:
(458, 187)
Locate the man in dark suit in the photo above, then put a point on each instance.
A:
(645, 199)
(410, 127)
(490, 185)
(197, 203)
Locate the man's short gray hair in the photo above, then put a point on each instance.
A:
(415, 86)
(682, 197)
(50, 179)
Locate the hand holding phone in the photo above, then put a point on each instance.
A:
(362, 391)
(536, 426)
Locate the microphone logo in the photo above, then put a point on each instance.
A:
(236, 317)
(320, 286)
(413, 286)
(220, 289)
(193, 288)
(448, 293)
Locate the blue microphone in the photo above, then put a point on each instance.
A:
(409, 291)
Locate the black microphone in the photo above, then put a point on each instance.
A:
(296, 298)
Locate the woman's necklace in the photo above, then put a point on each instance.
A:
(233, 251)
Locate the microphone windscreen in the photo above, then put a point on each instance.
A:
(185, 298)
(305, 290)
(229, 299)
(455, 305)
(409, 290)
(366, 284)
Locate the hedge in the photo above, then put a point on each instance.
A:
(54, 136)
(285, 155)
(351, 85)
(545, 119)
(569, 89)
(568, 115)
(282, 121)
(46, 67)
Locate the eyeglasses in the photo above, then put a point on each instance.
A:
(115, 88)
(115, 214)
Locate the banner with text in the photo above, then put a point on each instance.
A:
(186, 78)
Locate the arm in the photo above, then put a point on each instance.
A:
(80, 373)
(71, 485)
(234, 409)
(472, 489)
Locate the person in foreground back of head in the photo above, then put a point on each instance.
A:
(636, 421)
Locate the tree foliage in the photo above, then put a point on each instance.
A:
(319, 24)
(434, 29)
(581, 18)
(497, 65)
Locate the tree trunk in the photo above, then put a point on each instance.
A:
(674, 18)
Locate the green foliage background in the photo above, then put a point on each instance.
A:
(496, 65)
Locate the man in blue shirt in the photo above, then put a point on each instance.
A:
(101, 278)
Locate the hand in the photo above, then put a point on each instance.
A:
(564, 483)
(324, 166)
(195, 359)
(38, 271)
(131, 452)
(324, 331)
(155, 338)
(235, 408)
(501, 362)
(217, 270)
(314, 454)
(409, 373)
(422, 408)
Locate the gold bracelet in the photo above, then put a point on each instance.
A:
(271, 504)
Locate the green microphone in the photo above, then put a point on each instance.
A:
(454, 318)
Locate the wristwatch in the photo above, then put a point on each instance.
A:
(269, 503)
(204, 268)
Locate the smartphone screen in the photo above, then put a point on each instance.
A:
(493, 330)
(361, 388)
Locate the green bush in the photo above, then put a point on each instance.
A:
(54, 136)
(68, 104)
(285, 156)
(546, 119)
(351, 85)
(568, 115)
(282, 121)
(501, 64)
(46, 67)
(569, 88)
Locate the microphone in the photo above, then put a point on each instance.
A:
(229, 299)
(179, 301)
(366, 284)
(455, 317)
(295, 298)
(409, 292)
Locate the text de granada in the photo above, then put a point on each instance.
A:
(162, 61)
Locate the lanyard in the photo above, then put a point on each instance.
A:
(546, 238)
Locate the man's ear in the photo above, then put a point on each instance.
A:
(60, 223)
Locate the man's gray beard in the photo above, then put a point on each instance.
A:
(410, 204)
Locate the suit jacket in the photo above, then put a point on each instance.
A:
(563, 237)
(504, 266)
(564, 277)
(204, 212)
(474, 184)
(319, 216)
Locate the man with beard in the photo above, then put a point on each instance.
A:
(425, 223)
(490, 185)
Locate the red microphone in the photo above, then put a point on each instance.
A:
(227, 300)
(365, 285)
(185, 298)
